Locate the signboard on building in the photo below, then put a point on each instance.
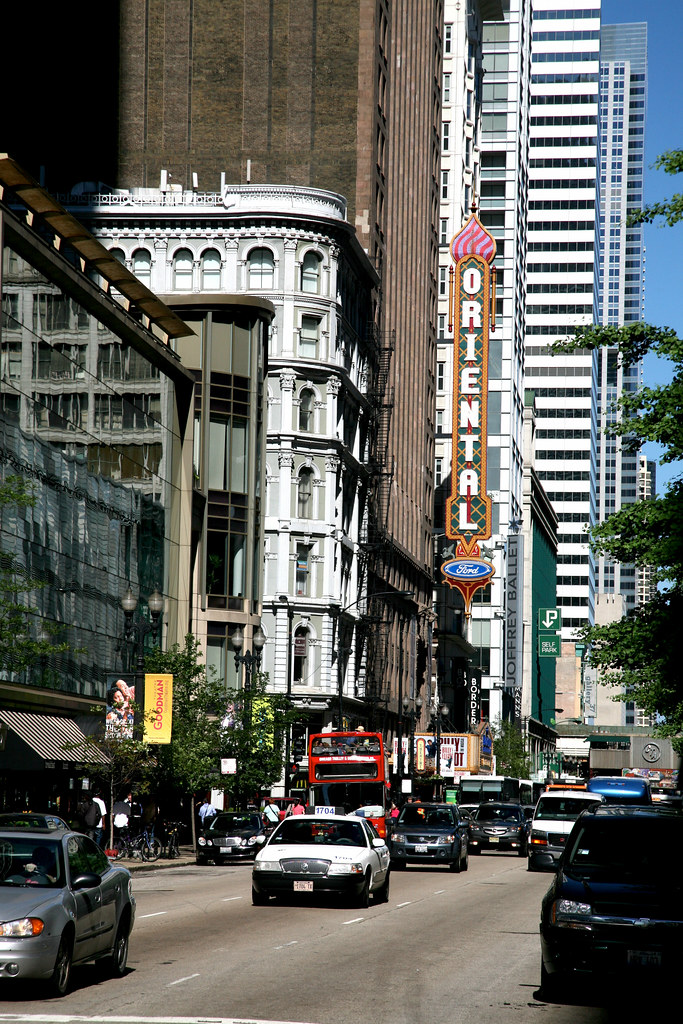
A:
(158, 718)
(514, 615)
(471, 311)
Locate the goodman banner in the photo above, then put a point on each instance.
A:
(158, 708)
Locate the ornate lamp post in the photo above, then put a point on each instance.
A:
(251, 660)
(135, 631)
(438, 715)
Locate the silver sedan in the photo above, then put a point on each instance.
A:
(61, 903)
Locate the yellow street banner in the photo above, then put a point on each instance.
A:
(158, 708)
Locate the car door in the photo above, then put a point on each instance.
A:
(379, 856)
(88, 901)
(461, 827)
(113, 891)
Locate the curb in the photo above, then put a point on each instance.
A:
(134, 865)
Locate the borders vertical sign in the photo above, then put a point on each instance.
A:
(468, 509)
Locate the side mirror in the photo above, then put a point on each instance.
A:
(378, 844)
(86, 880)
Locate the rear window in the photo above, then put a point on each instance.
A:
(560, 808)
(625, 849)
(498, 812)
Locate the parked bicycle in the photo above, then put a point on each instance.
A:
(143, 846)
(172, 849)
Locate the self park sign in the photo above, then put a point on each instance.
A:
(472, 304)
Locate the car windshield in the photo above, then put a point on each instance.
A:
(498, 812)
(337, 833)
(560, 808)
(226, 822)
(626, 850)
(30, 861)
(425, 817)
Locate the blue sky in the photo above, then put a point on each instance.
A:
(663, 130)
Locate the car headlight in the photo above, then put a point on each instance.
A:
(445, 840)
(267, 865)
(201, 841)
(22, 927)
(251, 841)
(571, 914)
(345, 869)
(396, 837)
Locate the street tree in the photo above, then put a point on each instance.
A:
(638, 654)
(508, 746)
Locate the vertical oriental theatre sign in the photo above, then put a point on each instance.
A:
(472, 303)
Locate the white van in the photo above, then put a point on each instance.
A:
(554, 816)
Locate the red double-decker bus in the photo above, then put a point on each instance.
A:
(348, 769)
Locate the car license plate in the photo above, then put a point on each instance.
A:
(421, 848)
(493, 839)
(644, 958)
(303, 887)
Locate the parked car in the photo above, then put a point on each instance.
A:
(315, 854)
(556, 812)
(231, 835)
(430, 834)
(30, 820)
(499, 826)
(62, 902)
(615, 906)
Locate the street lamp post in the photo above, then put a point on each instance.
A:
(251, 660)
(135, 631)
(412, 716)
(438, 714)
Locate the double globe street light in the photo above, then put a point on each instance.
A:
(136, 629)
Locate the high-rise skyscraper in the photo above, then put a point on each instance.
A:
(623, 101)
(562, 278)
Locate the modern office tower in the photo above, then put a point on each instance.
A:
(342, 97)
(562, 273)
(623, 102)
(95, 421)
(646, 588)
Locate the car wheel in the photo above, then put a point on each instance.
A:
(466, 861)
(530, 865)
(61, 975)
(115, 964)
(455, 865)
(522, 851)
(398, 865)
(382, 894)
(200, 860)
(363, 900)
(258, 899)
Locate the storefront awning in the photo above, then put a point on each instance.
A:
(50, 737)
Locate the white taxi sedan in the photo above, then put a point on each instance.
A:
(322, 853)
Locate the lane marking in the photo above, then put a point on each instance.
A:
(294, 942)
(438, 892)
(159, 913)
(179, 981)
(229, 899)
(406, 904)
(354, 920)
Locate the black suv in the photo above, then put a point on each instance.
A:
(429, 834)
(615, 907)
(499, 826)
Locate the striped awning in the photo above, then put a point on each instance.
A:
(51, 737)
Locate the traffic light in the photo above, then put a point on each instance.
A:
(298, 746)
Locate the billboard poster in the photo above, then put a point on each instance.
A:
(472, 303)
(120, 707)
(158, 716)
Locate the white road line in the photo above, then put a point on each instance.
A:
(437, 892)
(354, 920)
(294, 942)
(406, 904)
(229, 899)
(159, 913)
(179, 981)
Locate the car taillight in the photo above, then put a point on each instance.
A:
(538, 838)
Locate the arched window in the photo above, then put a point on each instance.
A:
(305, 494)
(306, 403)
(261, 268)
(310, 273)
(118, 254)
(142, 266)
(182, 271)
(309, 334)
(301, 669)
(211, 271)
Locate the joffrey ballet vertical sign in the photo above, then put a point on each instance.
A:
(472, 303)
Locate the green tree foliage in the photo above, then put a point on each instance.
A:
(25, 637)
(211, 723)
(639, 653)
(508, 747)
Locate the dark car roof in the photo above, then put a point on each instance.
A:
(28, 822)
(621, 811)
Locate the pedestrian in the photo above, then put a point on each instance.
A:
(394, 810)
(298, 807)
(123, 812)
(98, 828)
(271, 814)
(206, 812)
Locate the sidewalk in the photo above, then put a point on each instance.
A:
(135, 864)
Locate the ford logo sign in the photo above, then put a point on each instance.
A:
(463, 569)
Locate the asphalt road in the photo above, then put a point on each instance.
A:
(446, 949)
